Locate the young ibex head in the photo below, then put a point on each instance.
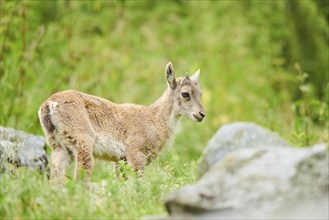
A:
(186, 94)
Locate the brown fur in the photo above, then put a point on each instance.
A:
(46, 120)
(88, 126)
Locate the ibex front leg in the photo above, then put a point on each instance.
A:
(137, 160)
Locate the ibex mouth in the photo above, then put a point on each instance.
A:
(198, 118)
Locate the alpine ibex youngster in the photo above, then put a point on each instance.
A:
(79, 127)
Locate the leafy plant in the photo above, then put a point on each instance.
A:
(310, 112)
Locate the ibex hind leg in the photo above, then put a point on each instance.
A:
(84, 160)
(79, 138)
(82, 148)
(60, 160)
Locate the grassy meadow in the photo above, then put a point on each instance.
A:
(260, 61)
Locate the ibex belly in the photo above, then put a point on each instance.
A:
(106, 147)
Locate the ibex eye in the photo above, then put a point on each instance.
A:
(185, 94)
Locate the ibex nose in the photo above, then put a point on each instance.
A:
(202, 114)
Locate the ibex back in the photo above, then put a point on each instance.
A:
(79, 127)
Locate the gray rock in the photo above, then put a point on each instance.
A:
(256, 181)
(254, 174)
(314, 208)
(22, 149)
(236, 136)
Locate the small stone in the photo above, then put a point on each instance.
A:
(22, 149)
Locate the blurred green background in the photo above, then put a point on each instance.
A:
(247, 52)
(260, 61)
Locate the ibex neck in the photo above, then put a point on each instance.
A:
(164, 110)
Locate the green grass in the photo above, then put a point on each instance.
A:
(30, 195)
(27, 194)
(247, 52)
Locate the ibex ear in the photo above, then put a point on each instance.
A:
(195, 76)
(170, 74)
